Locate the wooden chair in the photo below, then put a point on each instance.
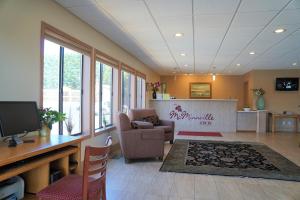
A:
(90, 186)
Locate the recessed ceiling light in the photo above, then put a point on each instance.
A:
(178, 34)
(182, 54)
(279, 30)
(294, 64)
(251, 52)
(238, 64)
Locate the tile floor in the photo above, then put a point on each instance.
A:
(142, 180)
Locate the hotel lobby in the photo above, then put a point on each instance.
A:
(150, 99)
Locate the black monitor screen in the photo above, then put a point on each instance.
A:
(18, 117)
(287, 84)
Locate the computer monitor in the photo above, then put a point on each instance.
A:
(17, 117)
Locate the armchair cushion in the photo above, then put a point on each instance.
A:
(141, 125)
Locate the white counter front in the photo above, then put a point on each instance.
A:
(198, 114)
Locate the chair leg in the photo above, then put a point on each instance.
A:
(160, 158)
(171, 142)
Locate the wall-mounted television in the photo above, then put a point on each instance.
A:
(287, 84)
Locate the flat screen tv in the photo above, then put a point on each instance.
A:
(18, 117)
(287, 84)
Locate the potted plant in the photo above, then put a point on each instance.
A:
(246, 108)
(155, 86)
(260, 102)
(48, 117)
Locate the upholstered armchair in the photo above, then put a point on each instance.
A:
(139, 143)
(168, 126)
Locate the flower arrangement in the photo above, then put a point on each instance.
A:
(155, 86)
(48, 117)
(259, 92)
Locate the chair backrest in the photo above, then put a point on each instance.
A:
(123, 122)
(139, 114)
(94, 170)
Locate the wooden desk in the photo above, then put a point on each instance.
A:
(33, 160)
(281, 116)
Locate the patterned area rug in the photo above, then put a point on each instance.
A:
(229, 159)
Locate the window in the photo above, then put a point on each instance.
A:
(140, 92)
(103, 95)
(62, 87)
(126, 91)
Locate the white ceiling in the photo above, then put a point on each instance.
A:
(218, 34)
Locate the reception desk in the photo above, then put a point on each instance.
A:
(198, 114)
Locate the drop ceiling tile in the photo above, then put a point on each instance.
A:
(294, 5)
(213, 21)
(237, 38)
(261, 5)
(253, 19)
(215, 6)
(170, 8)
(288, 17)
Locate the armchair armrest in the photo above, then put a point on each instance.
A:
(142, 125)
(143, 134)
(167, 123)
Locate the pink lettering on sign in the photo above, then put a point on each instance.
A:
(179, 114)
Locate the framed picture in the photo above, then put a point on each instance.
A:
(200, 90)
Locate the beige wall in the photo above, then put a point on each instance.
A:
(224, 87)
(20, 27)
(247, 89)
(277, 101)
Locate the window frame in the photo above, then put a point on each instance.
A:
(63, 39)
(141, 92)
(101, 95)
(122, 89)
(61, 86)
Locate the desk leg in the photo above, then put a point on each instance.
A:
(37, 179)
(62, 164)
(77, 157)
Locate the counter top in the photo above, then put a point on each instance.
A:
(194, 100)
(250, 111)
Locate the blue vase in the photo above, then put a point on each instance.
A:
(260, 103)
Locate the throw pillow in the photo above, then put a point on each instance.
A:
(152, 119)
(134, 125)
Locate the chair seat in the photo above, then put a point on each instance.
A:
(67, 188)
(166, 128)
